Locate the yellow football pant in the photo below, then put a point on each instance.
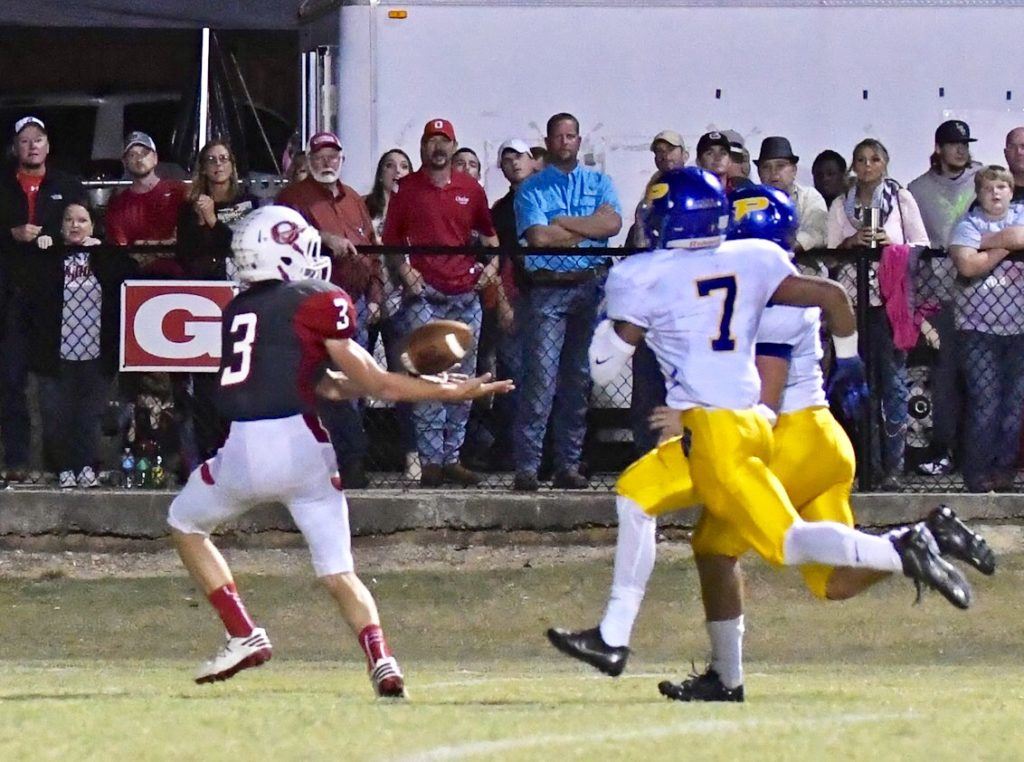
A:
(726, 471)
(814, 460)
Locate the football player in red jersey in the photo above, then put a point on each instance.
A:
(278, 337)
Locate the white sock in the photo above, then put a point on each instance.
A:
(727, 650)
(835, 544)
(634, 560)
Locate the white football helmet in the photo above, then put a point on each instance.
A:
(276, 243)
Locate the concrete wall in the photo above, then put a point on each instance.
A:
(141, 514)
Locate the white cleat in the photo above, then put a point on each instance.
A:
(237, 654)
(387, 679)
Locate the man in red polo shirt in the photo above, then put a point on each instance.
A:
(146, 213)
(436, 207)
(340, 214)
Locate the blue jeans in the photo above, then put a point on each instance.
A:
(71, 405)
(994, 369)
(648, 393)
(343, 419)
(557, 328)
(889, 380)
(947, 398)
(390, 332)
(15, 424)
(441, 427)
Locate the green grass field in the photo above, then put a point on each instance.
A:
(102, 670)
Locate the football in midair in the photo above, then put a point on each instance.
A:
(436, 346)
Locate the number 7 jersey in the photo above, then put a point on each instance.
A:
(272, 347)
(701, 310)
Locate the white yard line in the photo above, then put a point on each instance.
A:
(485, 748)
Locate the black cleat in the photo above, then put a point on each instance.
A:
(956, 540)
(589, 646)
(923, 564)
(706, 687)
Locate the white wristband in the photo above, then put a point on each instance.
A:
(846, 346)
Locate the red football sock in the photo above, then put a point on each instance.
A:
(371, 638)
(232, 611)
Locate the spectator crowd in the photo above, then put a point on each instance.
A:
(533, 311)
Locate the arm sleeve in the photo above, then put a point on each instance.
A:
(393, 233)
(609, 194)
(965, 233)
(813, 221)
(625, 300)
(115, 226)
(776, 267)
(837, 224)
(328, 314)
(482, 222)
(914, 230)
(528, 210)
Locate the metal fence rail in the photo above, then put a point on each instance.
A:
(946, 410)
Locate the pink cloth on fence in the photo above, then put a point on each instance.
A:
(897, 288)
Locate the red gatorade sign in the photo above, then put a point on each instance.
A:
(172, 325)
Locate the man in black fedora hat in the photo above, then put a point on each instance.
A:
(776, 166)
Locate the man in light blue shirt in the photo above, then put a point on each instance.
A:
(572, 207)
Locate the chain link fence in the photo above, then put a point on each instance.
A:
(947, 389)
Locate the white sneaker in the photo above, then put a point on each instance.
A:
(67, 480)
(87, 478)
(413, 471)
(237, 654)
(387, 679)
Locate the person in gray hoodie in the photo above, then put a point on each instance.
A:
(943, 194)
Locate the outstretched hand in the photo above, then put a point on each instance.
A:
(847, 386)
(463, 388)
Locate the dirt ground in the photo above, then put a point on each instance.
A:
(428, 551)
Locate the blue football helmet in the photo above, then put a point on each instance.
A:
(764, 212)
(685, 209)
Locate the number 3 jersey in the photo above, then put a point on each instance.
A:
(701, 311)
(272, 346)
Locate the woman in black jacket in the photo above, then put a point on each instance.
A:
(72, 298)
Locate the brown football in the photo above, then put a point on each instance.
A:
(436, 346)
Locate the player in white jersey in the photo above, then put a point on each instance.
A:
(811, 456)
(699, 310)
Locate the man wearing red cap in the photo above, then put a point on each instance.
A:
(339, 213)
(436, 207)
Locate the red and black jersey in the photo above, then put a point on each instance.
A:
(272, 346)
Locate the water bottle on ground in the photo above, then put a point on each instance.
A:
(143, 474)
(127, 469)
(158, 477)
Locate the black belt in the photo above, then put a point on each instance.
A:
(564, 277)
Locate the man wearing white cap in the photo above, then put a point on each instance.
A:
(32, 202)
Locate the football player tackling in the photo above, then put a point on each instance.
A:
(700, 310)
(278, 336)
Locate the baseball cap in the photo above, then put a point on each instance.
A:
(954, 131)
(671, 137)
(26, 121)
(323, 140)
(714, 138)
(138, 139)
(438, 127)
(736, 142)
(512, 144)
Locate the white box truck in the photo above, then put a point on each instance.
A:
(825, 73)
